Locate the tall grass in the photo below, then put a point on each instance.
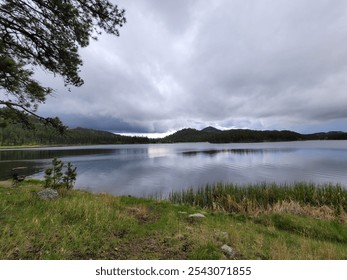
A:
(239, 198)
(82, 225)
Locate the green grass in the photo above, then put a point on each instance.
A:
(262, 197)
(82, 225)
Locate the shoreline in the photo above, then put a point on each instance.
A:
(84, 225)
(161, 143)
(164, 143)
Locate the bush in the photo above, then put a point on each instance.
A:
(56, 179)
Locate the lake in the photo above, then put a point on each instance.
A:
(145, 170)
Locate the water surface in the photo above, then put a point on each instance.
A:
(143, 170)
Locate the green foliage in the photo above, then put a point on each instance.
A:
(210, 251)
(55, 178)
(15, 135)
(70, 176)
(321, 229)
(47, 34)
(234, 198)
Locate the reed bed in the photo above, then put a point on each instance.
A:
(263, 196)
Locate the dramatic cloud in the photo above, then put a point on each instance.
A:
(269, 64)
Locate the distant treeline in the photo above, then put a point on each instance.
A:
(213, 135)
(16, 135)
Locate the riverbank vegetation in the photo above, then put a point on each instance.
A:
(264, 197)
(257, 224)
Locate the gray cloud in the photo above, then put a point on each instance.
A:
(274, 64)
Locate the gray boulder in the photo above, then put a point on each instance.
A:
(48, 193)
(227, 250)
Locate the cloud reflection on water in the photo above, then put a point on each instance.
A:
(142, 170)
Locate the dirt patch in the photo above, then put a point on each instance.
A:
(6, 184)
(143, 214)
(293, 207)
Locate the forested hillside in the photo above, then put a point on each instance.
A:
(213, 135)
(39, 134)
(16, 135)
(231, 136)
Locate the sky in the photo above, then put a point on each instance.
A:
(266, 64)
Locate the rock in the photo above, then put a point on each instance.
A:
(48, 193)
(197, 216)
(227, 250)
(221, 235)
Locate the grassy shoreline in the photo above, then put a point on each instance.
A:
(265, 197)
(83, 225)
(41, 146)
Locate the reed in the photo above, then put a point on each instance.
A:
(263, 196)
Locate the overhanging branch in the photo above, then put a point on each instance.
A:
(54, 122)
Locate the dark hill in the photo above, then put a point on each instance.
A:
(210, 129)
(185, 135)
(213, 135)
(331, 135)
(16, 135)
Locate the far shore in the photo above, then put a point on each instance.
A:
(158, 143)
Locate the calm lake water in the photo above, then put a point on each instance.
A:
(143, 170)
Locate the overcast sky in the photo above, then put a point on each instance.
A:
(266, 64)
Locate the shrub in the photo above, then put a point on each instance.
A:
(56, 179)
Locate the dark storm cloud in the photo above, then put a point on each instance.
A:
(257, 64)
(100, 123)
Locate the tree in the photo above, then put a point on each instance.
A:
(54, 175)
(46, 34)
(70, 176)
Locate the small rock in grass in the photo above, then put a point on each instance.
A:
(48, 194)
(221, 235)
(227, 250)
(197, 216)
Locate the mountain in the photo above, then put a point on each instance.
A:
(210, 129)
(213, 135)
(185, 135)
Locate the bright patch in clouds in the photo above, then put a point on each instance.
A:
(149, 135)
